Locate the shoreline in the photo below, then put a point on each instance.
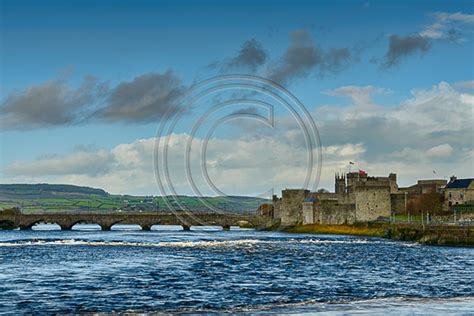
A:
(453, 236)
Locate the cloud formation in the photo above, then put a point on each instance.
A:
(52, 103)
(446, 26)
(432, 129)
(361, 96)
(444, 150)
(144, 99)
(449, 26)
(250, 56)
(303, 56)
(432, 126)
(400, 47)
(82, 161)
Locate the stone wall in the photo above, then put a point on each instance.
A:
(291, 213)
(398, 203)
(290, 208)
(372, 202)
(332, 213)
(308, 213)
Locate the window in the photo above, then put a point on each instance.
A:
(450, 195)
(461, 195)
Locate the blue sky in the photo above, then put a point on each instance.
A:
(395, 48)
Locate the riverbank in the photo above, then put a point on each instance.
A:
(431, 235)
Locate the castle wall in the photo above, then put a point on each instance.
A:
(331, 213)
(291, 213)
(372, 202)
(308, 212)
(398, 203)
(341, 198)
(290, 208)
(363, 199)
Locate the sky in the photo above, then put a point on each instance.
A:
(85, 87)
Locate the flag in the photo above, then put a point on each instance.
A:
(362, 173)
(351, 163)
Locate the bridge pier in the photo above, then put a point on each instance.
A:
(146, 227)
(226, 228)
(65, 227)
(186, 228)
(105, 227)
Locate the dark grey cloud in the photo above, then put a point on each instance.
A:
(247, 111)
(400, 47)
(299, 59)
(144, 99)
(251, 55)
(337, 59)
(52, 103)
(303, 57)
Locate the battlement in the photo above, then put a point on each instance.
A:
(294, 193)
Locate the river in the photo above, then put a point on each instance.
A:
(243, 271)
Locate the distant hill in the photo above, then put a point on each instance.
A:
(43, 197)
(46, 191)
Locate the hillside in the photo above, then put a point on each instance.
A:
(43, 197)
(44, 190)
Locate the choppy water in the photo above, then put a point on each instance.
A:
(168, 270)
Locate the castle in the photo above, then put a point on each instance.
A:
(357, 198)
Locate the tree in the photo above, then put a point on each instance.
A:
(431, 203)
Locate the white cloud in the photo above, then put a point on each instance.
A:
(468, 84)
(447, 26)
(361, 96)
(431, 130)
(79, 162)
(443, 150)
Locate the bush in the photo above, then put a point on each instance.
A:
(10, 211)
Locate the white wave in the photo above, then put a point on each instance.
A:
(194, 244)
(179, 244)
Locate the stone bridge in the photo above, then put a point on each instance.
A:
(146, 220)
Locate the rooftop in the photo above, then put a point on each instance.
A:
(459, 184)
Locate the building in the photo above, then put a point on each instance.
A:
(357, 198)
(459, 191)
(425, 186)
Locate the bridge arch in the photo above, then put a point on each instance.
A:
(134, 225)
(81, 222)
(30, 225)
(7, 224)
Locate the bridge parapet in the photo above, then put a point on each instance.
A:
(145, 220)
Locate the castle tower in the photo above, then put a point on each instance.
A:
(392, 177)
(340, 183)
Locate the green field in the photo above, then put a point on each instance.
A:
(56, 198)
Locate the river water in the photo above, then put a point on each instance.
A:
(243, 271)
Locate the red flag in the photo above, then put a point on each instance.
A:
(362, 173)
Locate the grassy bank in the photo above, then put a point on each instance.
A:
(357, 230)
(430, 235)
